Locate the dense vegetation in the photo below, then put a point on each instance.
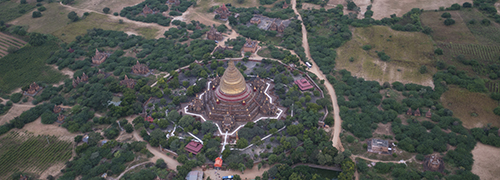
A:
(157, 6)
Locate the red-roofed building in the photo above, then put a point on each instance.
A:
(303, 84)
(193, 147)
(149, 119)
(218, 162)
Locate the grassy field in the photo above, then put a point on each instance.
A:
(408, 51)
(94, 20)
(55, 21)
(28, 65)
(474, 109)
(486, 35)
(55, 17)
(482, 53)
(10, 10)
(457, 33)
(29, 153)
(265, 52)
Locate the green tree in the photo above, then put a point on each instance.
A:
(242, 143)
(37, 39)
(73, 16)
(106, 10)
(446, 15)
(128, 128)
(36, 14)
(449, 22)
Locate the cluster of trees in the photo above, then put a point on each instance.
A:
(460, 78)
(5, 108)
(487, 135)
(481, 68)
(162, 54)
(283, 55)
(322, 44)
(181, 32)
(92, 161)
(158, 7)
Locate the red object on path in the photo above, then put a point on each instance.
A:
(218, 162)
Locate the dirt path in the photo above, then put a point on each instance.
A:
(133, 167)
(376, 160)
(161, 29)
(338, 122)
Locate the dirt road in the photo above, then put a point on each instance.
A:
(338, 122)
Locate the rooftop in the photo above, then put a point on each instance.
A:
(380, 143)
(193, 147)
(303, 84)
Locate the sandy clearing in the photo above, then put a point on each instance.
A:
(55, 129)
(53, 170)
(486, 160)
(99, 5)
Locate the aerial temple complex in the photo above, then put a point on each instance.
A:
(231, 102)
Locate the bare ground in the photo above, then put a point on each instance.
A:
(38, 128)
(15, 111)
(486, 160)
(98, 5)
(384, 8)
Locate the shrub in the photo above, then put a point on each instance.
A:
(16, 97)
(449, 22)
(485, 22)
(115, 14)
(497, 111)
(23, 2)
(420, 157)
(36, 14)
(367, 47)
(350, 139)
(12, 49)
(423, 69)
(438, 51)
(446, 15)
(383, 56)
(41, 8)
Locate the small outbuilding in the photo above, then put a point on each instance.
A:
(379, 146)
(303, 84)
(193, 147)
(195, 175)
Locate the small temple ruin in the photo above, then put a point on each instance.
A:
(174, 2)
(213, 34)
(99, 57)
(433, 163)
(79, 80)
(223, 12)
(57, 109)
(33, 89)
(285, 5)
(231, 102)
(250, 46)
(129, 83)
(140, 68)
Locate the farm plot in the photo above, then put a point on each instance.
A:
(29, 153)
(7, 41)
(483, 53)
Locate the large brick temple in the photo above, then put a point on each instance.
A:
(230, 101)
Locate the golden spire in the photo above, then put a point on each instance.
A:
(232, 82)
